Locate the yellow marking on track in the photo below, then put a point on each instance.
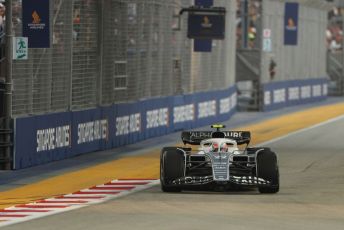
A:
(147, 165)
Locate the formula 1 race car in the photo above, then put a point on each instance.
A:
(218, 162)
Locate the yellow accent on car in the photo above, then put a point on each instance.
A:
(218, 126)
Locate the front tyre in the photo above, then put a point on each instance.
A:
(172, 166)
(267, 169)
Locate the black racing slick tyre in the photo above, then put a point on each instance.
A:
(172, 166)
(267, 169)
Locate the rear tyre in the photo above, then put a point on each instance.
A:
(172, 166)
(267, 169)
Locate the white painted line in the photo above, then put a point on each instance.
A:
(115, 186)
(85, 196)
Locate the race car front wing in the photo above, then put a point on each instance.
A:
(239, 180)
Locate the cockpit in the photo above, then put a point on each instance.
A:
(218, 145)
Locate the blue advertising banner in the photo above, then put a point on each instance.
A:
(204, 3)
(291, 22)
(203, 45)
(206, 26)
(36, 22)
(277, 95)
(45, 138)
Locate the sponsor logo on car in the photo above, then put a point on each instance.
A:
(233, 134)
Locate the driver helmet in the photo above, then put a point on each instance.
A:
(215, 147)
(224, 147)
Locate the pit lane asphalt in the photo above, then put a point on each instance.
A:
(311, 197)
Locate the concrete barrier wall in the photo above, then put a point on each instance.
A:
(294, 92)
(45, 138)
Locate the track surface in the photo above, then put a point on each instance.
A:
(311, 197)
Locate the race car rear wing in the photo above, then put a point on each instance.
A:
(195, 137)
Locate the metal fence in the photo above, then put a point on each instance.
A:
(335, 71)
(307, 59)
(114, 51)
(334, 38)
(258, 64)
